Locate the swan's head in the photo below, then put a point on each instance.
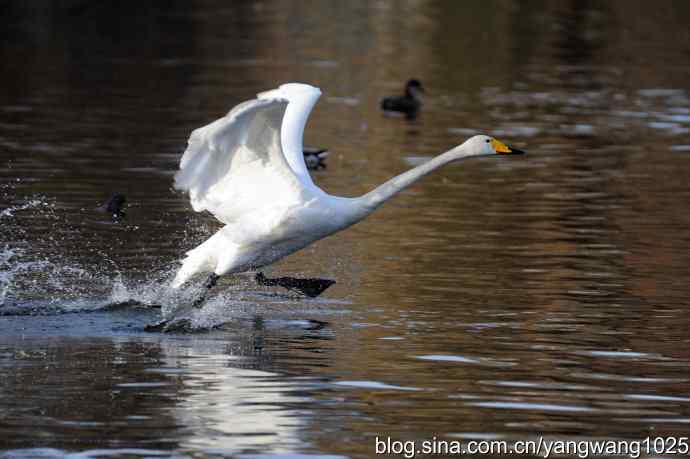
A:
(484, 145)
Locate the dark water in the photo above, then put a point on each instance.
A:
(498, 299)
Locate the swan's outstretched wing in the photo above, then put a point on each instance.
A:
(302, 98)
(235, 167)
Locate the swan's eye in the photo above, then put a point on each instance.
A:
(488, 140)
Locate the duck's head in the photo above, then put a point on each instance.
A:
(414, 88)
(484, 145)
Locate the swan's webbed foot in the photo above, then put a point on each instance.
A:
(308, 287)
(208, 285)
(211, 281)
(172, 325)
(157, 327)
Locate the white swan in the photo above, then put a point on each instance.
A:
(248, 170)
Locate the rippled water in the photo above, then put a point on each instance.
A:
(503, 298)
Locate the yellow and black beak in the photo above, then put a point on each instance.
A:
(504, 149)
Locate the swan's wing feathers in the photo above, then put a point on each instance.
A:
(302, 98)
(211, 149)
(235, 165)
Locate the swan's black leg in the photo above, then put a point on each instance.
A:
(208, 285)
(163, 324)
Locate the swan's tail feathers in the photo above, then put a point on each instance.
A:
(197, 261)
(218, 254)
(186, 272)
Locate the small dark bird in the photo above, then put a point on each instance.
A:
(114, 206)
(314, 158)
(409, 104)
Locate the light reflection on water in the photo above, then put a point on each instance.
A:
(500, 298)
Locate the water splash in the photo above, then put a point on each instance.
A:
(33, 203)
(6, 274)
(37, 274)
(55, 261)
(41, 286)
(46, 287)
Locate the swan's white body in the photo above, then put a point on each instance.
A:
(248, 170)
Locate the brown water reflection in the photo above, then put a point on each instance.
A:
(501, 298)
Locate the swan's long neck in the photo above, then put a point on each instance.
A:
(370, 201)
